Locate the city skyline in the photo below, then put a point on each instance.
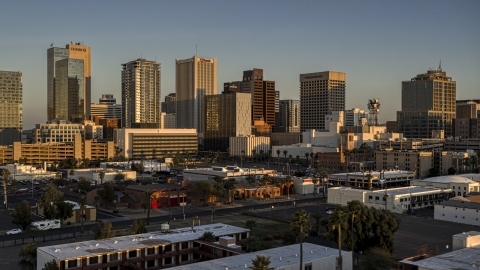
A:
(377, 44)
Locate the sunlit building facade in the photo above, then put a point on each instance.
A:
(11, 90)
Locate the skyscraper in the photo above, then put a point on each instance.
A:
(69, 82)
(226, 115)
(141, 94)
(195, 78)
(170, 104)
(10, 107)
(263, 95)
(428, 104)
(320, 93)
(106, 108)
(288, 116)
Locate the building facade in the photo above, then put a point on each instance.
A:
(428, 105)
(288, 116)
(248, 145)
(143, 143)
(106, 108)
(320, 93)
(355, 117)
(195, 78)
(57, 130)
(421, 162)
(11, 100)
(225, 115)
(169, 120)
(141, 94)
(170, 104)
(69, 82)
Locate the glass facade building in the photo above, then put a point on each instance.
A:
(10, 107)
(428, 104)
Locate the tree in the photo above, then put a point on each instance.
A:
(51, 265)
(101, 175)
(5, 175)
(139, 227)
(48, 201)
(203, 188)
(452, 171)
(22, 215)
(376, 259)
(346, 154)
(107, 193)
(148, 197)
(301, 225)
(254, 243)
(250, 224)
(288, 183)
(28, 257)
(72, 174)
(261, 262)
(278, 156)
(103, 231)
(118, 177)
(250, 178)
(84, 185)
(14, 184)
(208, 237)
(65, 210)
(82, 201)
(318, 218)
(285, 153)
(307, 155)
(324, 176)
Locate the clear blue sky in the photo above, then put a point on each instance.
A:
(377, 43)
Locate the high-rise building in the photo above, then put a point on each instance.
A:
(288, 116)
(225, 115)
(263, 95)
(106, 108)
(10, 107)
(428, 105)
(170, 104)
(230, 87)
(466, 124)
(195, 78)
(355, 117)
(69, 82)
(141, 94)
(320, 93)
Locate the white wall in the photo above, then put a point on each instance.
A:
(457, 214)
(43, 258)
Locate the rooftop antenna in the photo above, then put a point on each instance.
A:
(440, 65)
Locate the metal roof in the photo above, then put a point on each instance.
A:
(130, 242)
(465, 259)
(449, 179)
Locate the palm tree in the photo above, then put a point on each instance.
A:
(306, 156)
(278, 156)
(148, 196)
(82, 201)
(288, 183)
(317, 217)
(347, 154)
(301, 225)
(5, 175)
(254, 153)
(355, 152)
(250, 224)
(466, 163)
(282, 184)
(101, 175)
(285, 153)
(72, 174)
(324, 176)
(261, 155)
(261, 262)
(208, 237)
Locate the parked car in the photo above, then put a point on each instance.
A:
(23, 189)
(14, 231)
(36, 183)
(18, 192)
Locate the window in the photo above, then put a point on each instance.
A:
(167, 248)
(151, 263)
(168, 260)
(113, 268)
(184, 257)
(132, 253)
(184, 245)
(308, 267)
(72, 263)
(370, 197)
(114, 257)
(150, 251)
(93, 260)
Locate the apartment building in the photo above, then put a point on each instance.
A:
(57, 130)
(155, 250)
(320, 93)
(420, 162)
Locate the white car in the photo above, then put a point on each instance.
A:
(14, 231)
(36, 183)
(329, 212)
(23, 189)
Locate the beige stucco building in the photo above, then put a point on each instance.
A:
(244, 145)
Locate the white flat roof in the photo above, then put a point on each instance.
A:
(374, 173)
(465, 259)
(290, 256)
(130, 242)
(396, 191)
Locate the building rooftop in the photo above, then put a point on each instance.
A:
(449, 179)
(398, 191)
(129, 242)
(465, 259)
(462, 204)
(279, 257)
(375, 173)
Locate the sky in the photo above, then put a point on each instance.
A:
(378, 44)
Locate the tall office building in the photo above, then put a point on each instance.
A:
(320, 93)
(226, 115)
(170, 104)
(263, 95)
(69, 82)
(10, 107)
(106, 108)
(355, 117)
(141, 95)
(195, 78)
(428, 105)
(288, 116)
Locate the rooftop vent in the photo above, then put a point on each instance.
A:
(57, 250)
(97, 245)
(77, 247)
(115, 241)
